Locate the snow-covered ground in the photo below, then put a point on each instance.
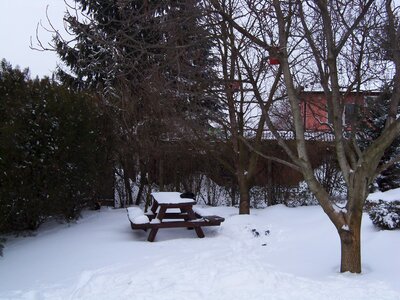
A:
(295, 255)
(392, 195)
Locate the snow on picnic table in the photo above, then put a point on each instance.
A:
(274, 253)
(170, 198)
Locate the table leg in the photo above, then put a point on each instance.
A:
(153, 232)
(184, 210)
(154, 207)
(199, 232)
(152, 235)
(192, 216)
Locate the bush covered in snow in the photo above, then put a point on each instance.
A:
(385, 215)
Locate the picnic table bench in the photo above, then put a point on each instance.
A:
(169, 210)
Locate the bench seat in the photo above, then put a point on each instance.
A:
(137, 216)
(203, 221)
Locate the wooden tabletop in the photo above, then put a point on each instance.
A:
(171, 198)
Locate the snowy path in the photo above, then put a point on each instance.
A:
(100, 257)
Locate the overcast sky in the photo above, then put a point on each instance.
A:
(18, 22)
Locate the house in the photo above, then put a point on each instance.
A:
(315, 113)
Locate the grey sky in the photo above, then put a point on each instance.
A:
(18, 22)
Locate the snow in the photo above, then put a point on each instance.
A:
(339, 209)
(388, 196)
(200, 210)
(141, 220)
(136, 215)
(170, 198)
(274, 253)
(308, 135)
(390, 220)
(134, 212)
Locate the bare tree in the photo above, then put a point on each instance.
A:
(246, 81)
(328, 43)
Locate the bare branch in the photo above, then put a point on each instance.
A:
(352, 27)
(281, 161)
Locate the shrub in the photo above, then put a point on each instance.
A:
(385, 215)
(2, 242)
(51, 150)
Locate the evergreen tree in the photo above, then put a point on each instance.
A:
(371, 128)
(152, 52)
(150, 62)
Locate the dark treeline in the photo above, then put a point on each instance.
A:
(53, 150)
(139, 74)
(151, 66)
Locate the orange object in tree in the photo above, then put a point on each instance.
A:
(274, 61)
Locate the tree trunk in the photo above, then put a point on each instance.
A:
(233, 193)
(148, 198)
(143, 182)
(161, 174)
(350, 235)
(270, 185)
(208, 183)
(244, 204)
(128, 191)
(351, 249)
(347, 220)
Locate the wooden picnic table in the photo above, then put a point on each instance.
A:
(164, 202)
(169, 210)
